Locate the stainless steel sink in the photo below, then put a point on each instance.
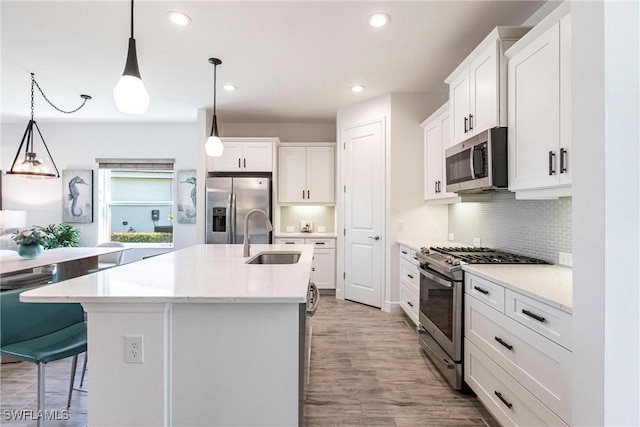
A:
(274, 257)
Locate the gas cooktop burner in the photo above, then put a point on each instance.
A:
(474, 255)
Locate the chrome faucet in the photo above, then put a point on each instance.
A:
(247, 244)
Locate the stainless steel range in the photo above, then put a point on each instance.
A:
(441, 290)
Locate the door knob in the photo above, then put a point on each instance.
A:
(374, 237)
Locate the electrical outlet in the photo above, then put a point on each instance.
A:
(476, 242)
(134, 349)
(451, 238)
(565, 259)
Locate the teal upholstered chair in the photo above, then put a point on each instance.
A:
(41, 333)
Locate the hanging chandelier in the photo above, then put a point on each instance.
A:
(31, 165)
(214, 146)
(130, 94)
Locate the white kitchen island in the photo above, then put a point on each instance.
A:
(221, 340)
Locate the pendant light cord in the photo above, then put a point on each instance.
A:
(34, 82)
(215, 73)
(131, 18)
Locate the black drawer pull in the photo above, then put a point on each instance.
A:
(405, 252)
(289, 243)
(509, 347)
(533, 316)
(410, 303)
(319, 243)
(509, 405)
(410, 276)
(482, 291)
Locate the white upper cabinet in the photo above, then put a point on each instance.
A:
(306, 174)
(244, 155)
(539, 131)
(436, 140)
(477, 88)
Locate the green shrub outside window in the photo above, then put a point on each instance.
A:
(139, 237)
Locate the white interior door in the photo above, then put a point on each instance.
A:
(364, 177)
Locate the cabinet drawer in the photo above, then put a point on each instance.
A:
(541, 366)
(488, 292)
(549, 321)
(321, 243)
(408, 254)
(409, 272)
(505, 398)
(286, 241)
(409, 300)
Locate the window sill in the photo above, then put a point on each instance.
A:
(148, 245)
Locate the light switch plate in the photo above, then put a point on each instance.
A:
(290, 229)
(451, 238)
(476, 242)
(322, 229)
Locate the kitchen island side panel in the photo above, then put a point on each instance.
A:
(235, 364)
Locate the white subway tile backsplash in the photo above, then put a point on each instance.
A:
(536, 228)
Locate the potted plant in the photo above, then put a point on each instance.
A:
(61, 236)
(31, 241)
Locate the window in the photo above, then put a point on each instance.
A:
(135, 200)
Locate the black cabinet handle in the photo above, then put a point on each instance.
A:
(302, 194)
(552, 169)
(435, 186)
(465, 125)
(405, 252)
(410, 276)
(563, 160)
(533, 316)
(482, 291)
(308, 194)
(508, 346)
(410, 303)
(239, 165)
(508, 405)
(470, 122)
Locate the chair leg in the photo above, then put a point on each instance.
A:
(84, 368)
(74, 365)
(40, 394)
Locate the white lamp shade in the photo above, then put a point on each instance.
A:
(214, 146)
(131, 95)
(12, 219)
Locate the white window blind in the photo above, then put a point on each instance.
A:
(136, 164)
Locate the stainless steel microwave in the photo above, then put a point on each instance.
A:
(479, 163)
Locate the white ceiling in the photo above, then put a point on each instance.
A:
(292, 61)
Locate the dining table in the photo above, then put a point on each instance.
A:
(70, 262)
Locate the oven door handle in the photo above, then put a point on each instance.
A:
(438, 280)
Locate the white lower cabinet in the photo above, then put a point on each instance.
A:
(323, 268)
(519, 370)
(409, 283)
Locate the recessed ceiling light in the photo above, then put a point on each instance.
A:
(357, 88)
(379, 20)
(179, 18)
(229, 87)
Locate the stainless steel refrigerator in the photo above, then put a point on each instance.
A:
(228, 201)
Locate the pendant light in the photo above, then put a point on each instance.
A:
(130, 94)
(214, 146)
(32, 166)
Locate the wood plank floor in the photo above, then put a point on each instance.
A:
(367, 369)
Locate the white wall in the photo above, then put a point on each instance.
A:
(77, 145)
(606, 189)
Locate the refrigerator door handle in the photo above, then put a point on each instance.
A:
(232, 222)
(228, 216)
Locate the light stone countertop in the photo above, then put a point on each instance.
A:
(197, 274)
(300, 235)
(417, 244)
(551, 284)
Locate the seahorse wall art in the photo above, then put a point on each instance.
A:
(187, 202)
(78, 196)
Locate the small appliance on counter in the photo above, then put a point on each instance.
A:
(306, 226)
